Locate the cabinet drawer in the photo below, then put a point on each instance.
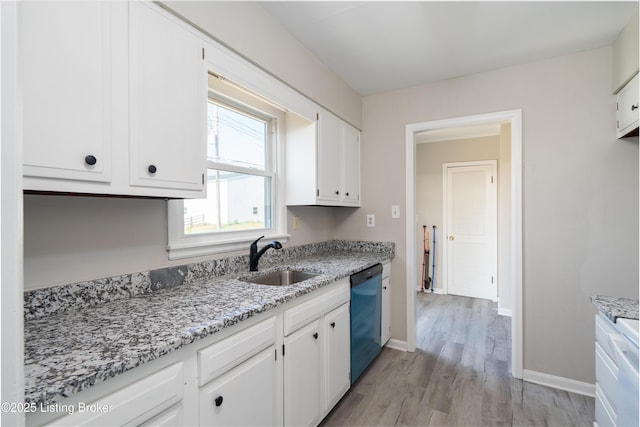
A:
(605, 417)
(604, 327)
(386, 269)
(224, 355)
(607, 376)
(300, 315)
(135, 403)
(244, 396)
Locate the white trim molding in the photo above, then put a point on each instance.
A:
(396, 344)
(514, 117)
(505, 312)
(560, 383)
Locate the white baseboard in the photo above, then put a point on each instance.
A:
(439, 291)
(396, 344)
(560, 383)
(504, 312)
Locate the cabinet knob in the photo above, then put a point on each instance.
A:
(333, 324)
(634, 107)
(337, 192)
(218, 401)
(152, 169)
(346, 194)
(90, 160)
(384, 287)
(315, 335)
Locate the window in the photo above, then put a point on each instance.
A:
(244, 192)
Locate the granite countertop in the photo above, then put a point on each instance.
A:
(69, 351)
(615, 308)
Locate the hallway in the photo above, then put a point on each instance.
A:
(458, 376)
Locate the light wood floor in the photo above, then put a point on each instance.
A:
(459, 375)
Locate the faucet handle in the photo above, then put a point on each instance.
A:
(255, 242)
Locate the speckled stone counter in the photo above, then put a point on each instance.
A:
(615, 308)
(73, 342)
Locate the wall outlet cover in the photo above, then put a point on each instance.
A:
(371, 220)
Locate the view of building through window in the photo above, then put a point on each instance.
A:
(239, 182)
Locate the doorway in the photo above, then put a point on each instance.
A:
(469, 229)
(514, 279)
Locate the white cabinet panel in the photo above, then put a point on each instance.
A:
(244, 396)
(168, 90)
(302, 376)
(385, 319)
(627, 109)
(329, 157)
(322, 161)
(338, 361)
(65, 72)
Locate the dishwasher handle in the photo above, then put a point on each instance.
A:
(365, 275)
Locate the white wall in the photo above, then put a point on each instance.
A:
(580, 194)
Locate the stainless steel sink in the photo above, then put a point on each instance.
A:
(281, 278)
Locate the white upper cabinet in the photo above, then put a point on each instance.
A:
(168, 99)
(111, 92)
(66, 89)
(627, 109)
(322, 161)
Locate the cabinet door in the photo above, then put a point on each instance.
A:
(302, 376)
(329, 157)
(351, 165)
(385, 320)
(244, 396)
(338, 357)
(64, 68)
(168, 93)
(627, 108)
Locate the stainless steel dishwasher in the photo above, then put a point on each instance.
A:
(366, 310)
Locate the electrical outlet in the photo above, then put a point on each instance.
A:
(371, 220)
(296, 222)
(395, 211)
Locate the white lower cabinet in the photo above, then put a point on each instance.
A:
(135, 404)
(385, 318)
(338, 367)
(302, 376)
(244, 396)
(316, 356)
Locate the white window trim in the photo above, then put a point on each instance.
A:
(181, 246)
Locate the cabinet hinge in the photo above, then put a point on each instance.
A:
(492, 280)
(282, 350)
(492, 180)
(317, 192)
(202, 53)
(317, 116)
(202, 179)
(275, 354)
(617, 106)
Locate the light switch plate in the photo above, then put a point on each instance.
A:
(395, 211)
(371, 220)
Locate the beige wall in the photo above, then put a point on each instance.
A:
(429, 160)
(249, 30)
(73, 238)
(580, 193)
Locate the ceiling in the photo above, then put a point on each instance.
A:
(377, 46)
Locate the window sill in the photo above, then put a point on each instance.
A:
(187, 249)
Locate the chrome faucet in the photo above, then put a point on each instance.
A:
(254, 255)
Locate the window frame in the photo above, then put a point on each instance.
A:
(230, 95)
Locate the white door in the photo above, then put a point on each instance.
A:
(470, 229)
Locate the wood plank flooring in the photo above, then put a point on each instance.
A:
(459, 375)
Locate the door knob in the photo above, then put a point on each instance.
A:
(450, 237)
